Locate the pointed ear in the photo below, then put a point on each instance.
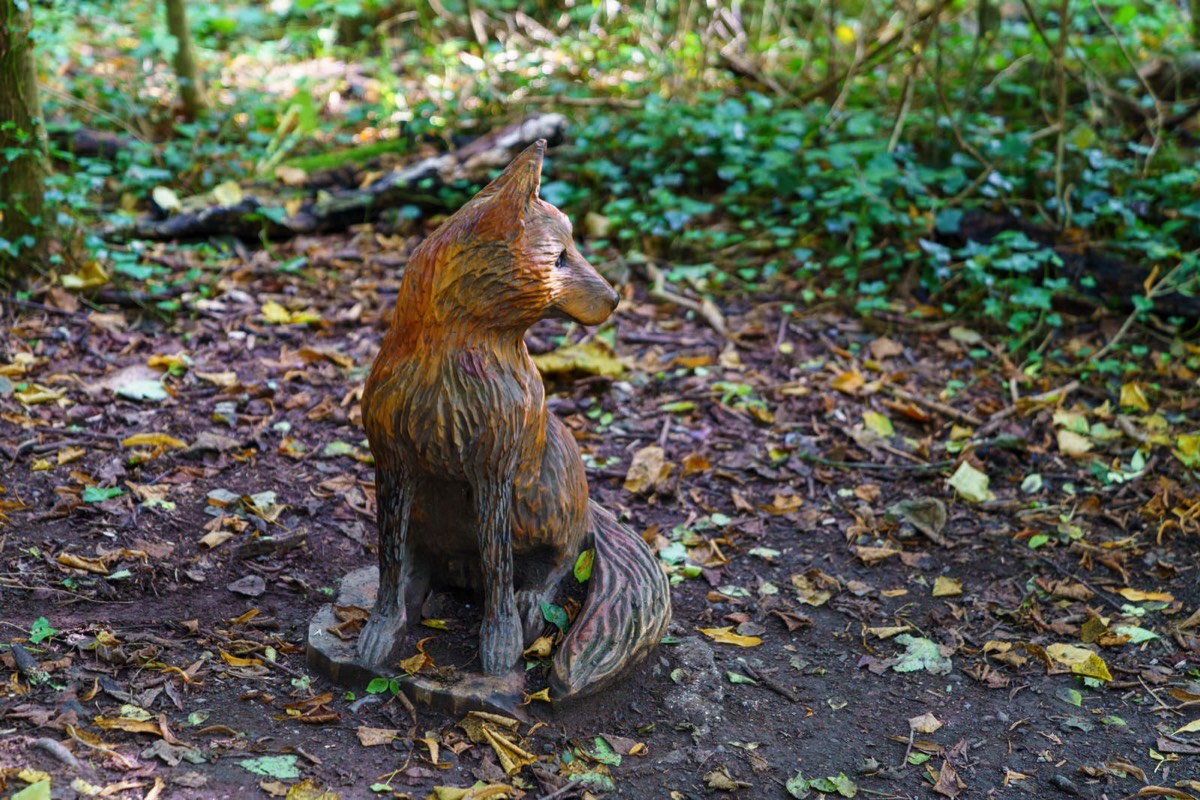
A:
(512, 192)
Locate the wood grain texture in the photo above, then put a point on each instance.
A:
(478, 486)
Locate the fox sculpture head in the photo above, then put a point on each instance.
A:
(505, 260)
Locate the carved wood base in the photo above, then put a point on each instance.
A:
(335, 659)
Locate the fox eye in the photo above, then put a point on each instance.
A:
(561, 263)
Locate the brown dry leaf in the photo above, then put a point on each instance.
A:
(372, 737)
(727, 636)
(493, 791)
(512, 757)
(68, 454)
(217, 538)
(475, 721)
(694, 463)
(648, 470)
(884, 348)
(224, 380)
(873, 555)
(926, 723)
(720, 778)
(868, 492)
(948, 783)
(419, 660)
(809, 590)
(128, 725)
(784, 503)
(792, 621)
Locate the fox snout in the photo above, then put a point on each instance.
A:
(581, 293)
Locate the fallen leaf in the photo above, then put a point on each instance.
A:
(727, 636)
(1133, 395)
(926, 723)
(1073, 444)
(372, 737)
(648, 470)
(946, 587)
(594, 357)
(970, 483)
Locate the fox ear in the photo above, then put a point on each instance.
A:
(517, 186)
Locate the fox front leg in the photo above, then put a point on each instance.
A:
(500, 632)
(385, 629)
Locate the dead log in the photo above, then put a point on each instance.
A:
(415, 184)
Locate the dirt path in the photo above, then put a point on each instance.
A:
(946, 659)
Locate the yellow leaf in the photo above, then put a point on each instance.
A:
(540, 648)
(849, 382)
(1191, 727)
(870, 555)
(878, 423)
(276, 314)
(590, 358)
(1073, 444)
(128, 725)
(1133, 395)
(436, 624)
(90, 276)
(845, 34)
(946, 587)
(541, 695)
(727, 636)
(970, 483)
(69, 454)
(1081, 660)
(227, 193)
(1138, 596)
(37, 394)
(238, 661)
(153, 440)
(93, 565)
(1187, 449)
(419, 661)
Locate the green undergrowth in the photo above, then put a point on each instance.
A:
(820, 153)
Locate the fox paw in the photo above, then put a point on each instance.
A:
(499, 644)
(381, 637)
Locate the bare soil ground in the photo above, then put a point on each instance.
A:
(179, 606)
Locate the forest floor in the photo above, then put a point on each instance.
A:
(1039, 639)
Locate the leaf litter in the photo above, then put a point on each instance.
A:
(923, 563)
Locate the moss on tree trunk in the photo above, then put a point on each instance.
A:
(191, 86)
(23, 152)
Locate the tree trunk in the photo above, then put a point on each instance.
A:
(1194, 7)
(23, 151)
(191, 86)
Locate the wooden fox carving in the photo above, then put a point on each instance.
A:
(478, 486)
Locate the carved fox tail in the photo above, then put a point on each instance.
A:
(626, 612)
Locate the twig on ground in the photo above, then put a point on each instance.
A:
(766, 680)
(996, 419)
(706, 309)
(934, 405)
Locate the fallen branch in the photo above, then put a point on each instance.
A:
(704, 308)
(416, 184)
